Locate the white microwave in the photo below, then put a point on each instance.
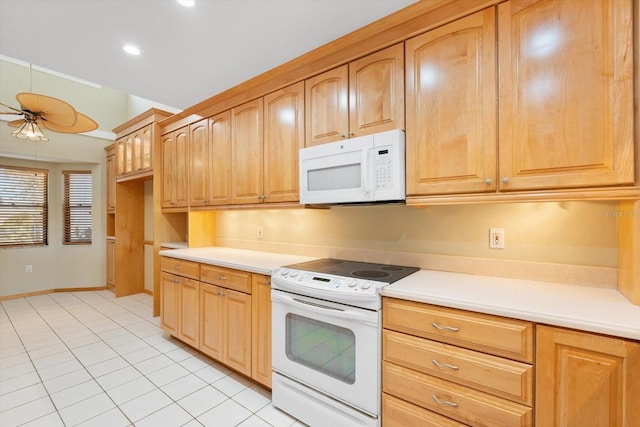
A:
(365, 169)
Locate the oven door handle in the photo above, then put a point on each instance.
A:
(320, 308)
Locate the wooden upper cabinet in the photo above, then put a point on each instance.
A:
(199, 167)
(174, 168)
(376, 92)
(451, 107)
(219, 192)
(283, 138)
(326, 111)
(247, 152)
(135, 153)
(363, 97)
(111, 179)
(585, 379)
(566, 93)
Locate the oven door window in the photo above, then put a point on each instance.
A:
(322, 347)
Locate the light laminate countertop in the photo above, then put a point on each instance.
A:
(585, 308)
(590, 309)
(240, 259)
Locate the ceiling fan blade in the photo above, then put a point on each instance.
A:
(16, 123)
(53, 110)
(10, 113)
(15, 110)
(82, 124)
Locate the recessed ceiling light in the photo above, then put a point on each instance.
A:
(186, 3)
(131, 49)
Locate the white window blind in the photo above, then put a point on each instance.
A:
(77, 200)
(23, 206)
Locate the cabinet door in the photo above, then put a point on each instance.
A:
(326, 111)
(169, 303)
(181, 165)
(136, 151)
(211, 321)
(566, 93)
(451, 108)
(247, 153)
(189, 312)
(283, 138)
(261, 331)
(121, 155)
(376, 92)
(199, 167)
(219, 183)
(111, 183)
(168, 170)
(111, 256)
(146, 148)
(128, 154)
(237, 331)
(584, 379)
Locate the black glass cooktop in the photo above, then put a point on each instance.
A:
(359, 270)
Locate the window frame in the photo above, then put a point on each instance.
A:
(37, 206)
(80, 201)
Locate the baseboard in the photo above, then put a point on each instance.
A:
(50, 291)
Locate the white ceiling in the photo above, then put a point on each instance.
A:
(188, 54)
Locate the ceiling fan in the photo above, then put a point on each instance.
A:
(47, 112)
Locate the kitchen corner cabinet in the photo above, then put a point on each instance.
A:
(210, 161)
(565, 93)
(585, 379)
(360, 98)
(439, 362)
(261, 325)
(174, 170)
(451, 107)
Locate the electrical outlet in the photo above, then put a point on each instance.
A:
(28, 268)
(259, 232)
(496, 238)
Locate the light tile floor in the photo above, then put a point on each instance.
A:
(89, 359)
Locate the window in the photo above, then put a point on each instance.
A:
(77, 207)
(23, 206)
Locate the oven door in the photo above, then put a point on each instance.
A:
(332, 348)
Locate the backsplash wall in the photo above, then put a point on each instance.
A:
(566, 233)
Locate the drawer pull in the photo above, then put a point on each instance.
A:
(222, 277)
(444, 402)
(445, 328)
(445, 365)
(176, 267)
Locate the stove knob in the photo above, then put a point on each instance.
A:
(294, 273)
(284, 272)
(352, 283)
(366, 285)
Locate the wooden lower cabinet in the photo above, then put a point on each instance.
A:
(214, 311)
(586, 380)
(446, 367)
(261, 324)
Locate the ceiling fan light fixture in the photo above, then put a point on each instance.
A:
(29, 130)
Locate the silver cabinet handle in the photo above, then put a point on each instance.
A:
(221, 277)
(444, 365)
(351, 134)
(445, 328)
(488, 181)
(505, 180)
(177, 267)
(342, 135)
(444, 402)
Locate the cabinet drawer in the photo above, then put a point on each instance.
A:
(398, 413)
(226, 277)
(180, 267)
(490, 334)
(452, 400)
(502, 377)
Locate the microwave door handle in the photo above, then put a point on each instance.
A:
(320, 308)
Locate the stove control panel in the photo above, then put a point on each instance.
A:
(330, 282)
